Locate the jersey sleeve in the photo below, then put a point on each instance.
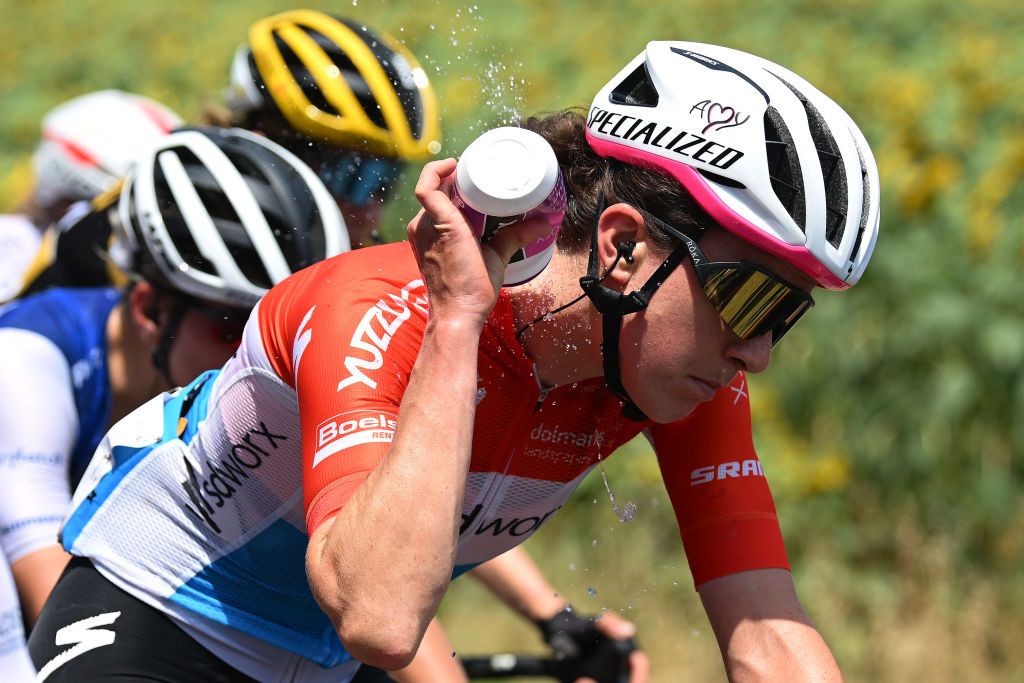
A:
(38, 429)
(718, 488)
(352, 333)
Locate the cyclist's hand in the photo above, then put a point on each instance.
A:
(463, 277)
(595, 650)
(619, 629)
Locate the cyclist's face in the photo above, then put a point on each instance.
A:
(678, 352)
(204, 341)
(361, 221)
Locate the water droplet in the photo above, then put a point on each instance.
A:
(628, 511)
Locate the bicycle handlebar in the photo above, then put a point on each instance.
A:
(610, 666)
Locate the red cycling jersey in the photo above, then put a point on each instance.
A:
(345, 333)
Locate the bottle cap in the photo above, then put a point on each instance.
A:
(506, 171)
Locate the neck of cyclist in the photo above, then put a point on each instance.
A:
(565, 346)
(133, 378)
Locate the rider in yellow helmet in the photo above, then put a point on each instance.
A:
(351, 102)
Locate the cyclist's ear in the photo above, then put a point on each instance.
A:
(621, 233)
(144, 311)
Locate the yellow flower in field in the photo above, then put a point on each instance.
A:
(985, 219)
(17, 184)
(935, 176)
(827, 473)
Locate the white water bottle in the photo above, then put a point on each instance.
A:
(505, 176)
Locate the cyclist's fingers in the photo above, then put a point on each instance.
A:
(615, 627)
(510, 239)
(639, 667)
(431, 191)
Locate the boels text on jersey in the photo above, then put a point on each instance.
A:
(681, 142)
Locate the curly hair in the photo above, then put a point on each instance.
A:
(587, 176)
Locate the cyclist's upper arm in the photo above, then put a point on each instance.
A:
(351, 335)
(718, 489)
(38, 430)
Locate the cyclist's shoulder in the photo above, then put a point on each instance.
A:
(356, 301)
(72, 318)
(17, 221)
(343, 286)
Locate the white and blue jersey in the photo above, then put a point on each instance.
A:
(55, 403)
(193, 504)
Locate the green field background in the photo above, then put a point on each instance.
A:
(891, 423)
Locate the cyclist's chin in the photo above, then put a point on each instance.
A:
(665, 409)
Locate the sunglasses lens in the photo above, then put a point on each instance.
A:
(752, 302)
(359, 179)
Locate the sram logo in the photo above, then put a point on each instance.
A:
(374, 332)
(353, 428)
(726, 470)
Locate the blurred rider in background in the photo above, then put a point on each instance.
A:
(87, 143)
(207, 222)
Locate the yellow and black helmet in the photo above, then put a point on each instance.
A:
(337, 82)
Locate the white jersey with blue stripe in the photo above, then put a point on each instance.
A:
(193, 504)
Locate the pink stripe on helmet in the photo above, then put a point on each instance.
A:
(159, 117)
(78, 154)
(695, 184)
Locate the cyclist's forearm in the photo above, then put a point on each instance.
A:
(518, 581)
(779, 650)
(433, 661)
(381, 568)
(762, 630)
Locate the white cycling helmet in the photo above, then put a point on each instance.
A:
(222, 215)
(768, 156)
(89, 142)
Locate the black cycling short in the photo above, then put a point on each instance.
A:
(106, 634)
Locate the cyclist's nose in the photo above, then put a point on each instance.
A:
(753, 354)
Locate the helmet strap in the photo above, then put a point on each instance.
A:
(613, 305)
(161, 352)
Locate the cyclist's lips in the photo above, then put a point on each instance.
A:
(704, 390)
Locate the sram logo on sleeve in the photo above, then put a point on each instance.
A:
(726, 470)
(353, 428)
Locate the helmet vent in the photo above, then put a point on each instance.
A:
(832, 169)
(174, 221)
(392, 63)
(866, 201)
(721, 179)
(784, 166)
(636, 89)
(300, 72)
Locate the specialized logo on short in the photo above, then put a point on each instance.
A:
(353, 428)
(726, 470)
(374, 332)
(83, 636)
